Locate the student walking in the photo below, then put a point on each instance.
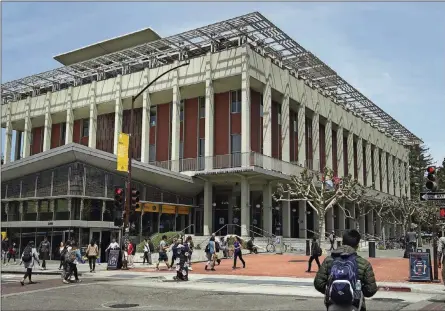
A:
(345, 278)
(163, 252)
(12, 252)
(92, 254)
(29, 257)
(316, 252)
(191, 246)
(72, 258)
(44, 249)
(237, 252)
(210, 254)
(61, 248)
(148, 249)
(332, 238)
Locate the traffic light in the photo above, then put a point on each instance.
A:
(442, 213)
(134, 198)
(431, 183)
(119, 198)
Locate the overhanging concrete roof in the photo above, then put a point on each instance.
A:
(152, 175)
(108, 46)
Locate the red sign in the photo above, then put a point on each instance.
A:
(442, 212)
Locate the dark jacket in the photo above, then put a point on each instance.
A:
(365, 273)
(315, 249)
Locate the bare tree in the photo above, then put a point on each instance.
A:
(321, 191)
(362, 207)
(398, 211)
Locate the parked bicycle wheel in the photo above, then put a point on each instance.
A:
(270, 248)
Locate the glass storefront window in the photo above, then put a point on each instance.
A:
(61, 211)
(167, 223)
(108, 214)
(45, 213)
(92, 210)
(75, 209)
(14, 211)
(4, 215)
(150, 224)
(29, 210)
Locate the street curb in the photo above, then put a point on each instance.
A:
(401, 289)
(35, 272)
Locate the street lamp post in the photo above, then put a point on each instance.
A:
(130, 151)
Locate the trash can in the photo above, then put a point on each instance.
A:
(371, 246)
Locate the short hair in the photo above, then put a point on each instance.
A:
(164, 237)
(351, 238)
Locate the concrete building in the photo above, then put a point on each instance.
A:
(251, 109)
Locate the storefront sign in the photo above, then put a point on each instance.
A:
(420, 267)
(148, 208)
(168, 209)
(113, 259)
(183, 210)
(122, 152)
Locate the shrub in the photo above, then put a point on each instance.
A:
(156, 239)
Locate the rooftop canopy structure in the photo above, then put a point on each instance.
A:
(253, 29)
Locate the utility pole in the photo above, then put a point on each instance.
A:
(130, 145)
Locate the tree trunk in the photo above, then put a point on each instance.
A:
(321, 228)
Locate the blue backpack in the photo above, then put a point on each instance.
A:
(342, 286)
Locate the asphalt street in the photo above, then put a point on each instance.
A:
(153, 294)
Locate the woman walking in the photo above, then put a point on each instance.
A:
(29, 256)
(92, 253)
(210, 253)
(61, 254)
(237, 253)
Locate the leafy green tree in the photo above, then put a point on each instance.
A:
(441, 176)
(419, 159)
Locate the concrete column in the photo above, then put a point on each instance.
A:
(378, 225)
(316, 143)
(397, 177)
(209, 113)
(118, 111)
(48, 123)
(287, 218)
(302, 220)
(384, 171)
(407, 180)
(341, 221)
(245, 207)
(368, 164)
(8, 135)
(267, 208)
(360, 161)
(285, 123)
(350, 143)
(376, 152)
(92, 130)
(340, 153)
(267, 111)
(176, 122)
(69, 117)
(371, 222)
(245, 111)
(28, 128)
(362, 221)
(328, 144)
(329, 220)
(301, 123)
(391, 174)
(145, 140)
(208, 208)
(18, 145)
(232, 202)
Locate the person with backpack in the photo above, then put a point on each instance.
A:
(346, 278)
(210, 254)
(316, 252)
(163, 252)
(72, 258)
(92, 253)
(441, 255)
(238, 252)
(191, 246)
(29, 256)
(174, 254)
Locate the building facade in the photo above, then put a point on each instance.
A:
(241, 117)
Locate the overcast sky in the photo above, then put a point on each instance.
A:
(394, 53)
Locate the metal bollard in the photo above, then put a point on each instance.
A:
(371, 246)
(308, 248)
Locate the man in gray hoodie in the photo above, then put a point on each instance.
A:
(44, 249)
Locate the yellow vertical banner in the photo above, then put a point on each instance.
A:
(122, 152)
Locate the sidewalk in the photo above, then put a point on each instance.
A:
(52, 268)
(271, 265)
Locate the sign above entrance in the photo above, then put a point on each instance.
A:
(183, 210)
(148, 208)
(168, 209)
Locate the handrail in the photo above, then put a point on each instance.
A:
(264, 231)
